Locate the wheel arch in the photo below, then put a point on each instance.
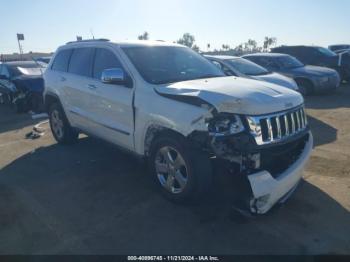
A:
(156, 130)
(49, 99)
(300, 80)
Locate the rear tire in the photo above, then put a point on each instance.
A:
(182, 173)
(60, 127)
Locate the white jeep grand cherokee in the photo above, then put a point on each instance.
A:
(172, 106)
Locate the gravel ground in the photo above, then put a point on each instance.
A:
(91, 198)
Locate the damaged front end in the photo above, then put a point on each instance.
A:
(269, 151)
(28, 95)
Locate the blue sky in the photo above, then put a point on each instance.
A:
(48, 24)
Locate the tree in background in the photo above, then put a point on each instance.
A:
(144, 36)
(187, 39)
(251, 46)
(225, 47)
(268, 42)
(208, 46)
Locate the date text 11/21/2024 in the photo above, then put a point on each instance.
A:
(173, 258)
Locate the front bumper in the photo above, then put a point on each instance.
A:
(267, 190)
(333, 83)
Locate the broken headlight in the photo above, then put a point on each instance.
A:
(224, 125)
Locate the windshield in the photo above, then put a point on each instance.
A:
(246, 67)
(169, 64)
(289, 62)
(27, 69)
(326, 51)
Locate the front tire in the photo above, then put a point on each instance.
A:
(306, 88)
(181, 172)
(60, 127)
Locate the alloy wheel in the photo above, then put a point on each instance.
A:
(171, 170)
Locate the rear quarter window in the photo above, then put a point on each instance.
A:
(61, 60)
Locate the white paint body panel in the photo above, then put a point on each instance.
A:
(238, 95)
(263, 183)
(123, 115)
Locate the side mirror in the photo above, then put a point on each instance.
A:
(3, 77)
(114, 76)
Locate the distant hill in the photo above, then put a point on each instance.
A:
(24, 57)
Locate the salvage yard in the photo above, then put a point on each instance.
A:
(91, 198)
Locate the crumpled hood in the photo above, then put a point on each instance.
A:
(278, 79)
(315, 70)
(31, 83)
(236, 95)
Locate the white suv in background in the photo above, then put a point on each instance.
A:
(170, 105)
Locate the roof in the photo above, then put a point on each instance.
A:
(265, 55)
(124, 43)
(222, 57)
(295, 46)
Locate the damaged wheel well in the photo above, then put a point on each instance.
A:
(153, 132)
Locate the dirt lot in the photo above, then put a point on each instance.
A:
(91, 198)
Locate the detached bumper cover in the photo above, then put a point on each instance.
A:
(267, 191)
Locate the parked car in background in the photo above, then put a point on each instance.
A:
(310, 79)
(168, 104)
(318, 56)
(21, 84)
(237, 66)
(336, 48)
(44, 59)
(342, 52)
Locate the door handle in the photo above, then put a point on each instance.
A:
(91, 86)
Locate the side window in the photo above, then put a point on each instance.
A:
(217, 64)
(104, 59)
(223, 68)
(227, 71)
(259, 60)
(268, 63)
(306, 55)
(61, 61)
(81, 61)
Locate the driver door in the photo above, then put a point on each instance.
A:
(111, 104)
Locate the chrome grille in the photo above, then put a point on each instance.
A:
(277, 127)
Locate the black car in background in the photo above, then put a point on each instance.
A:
(44, 59)
(310, 79)
(318, 56)
(336, 48)
(22, 84)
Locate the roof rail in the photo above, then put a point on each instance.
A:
(89, 40)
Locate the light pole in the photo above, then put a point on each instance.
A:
(20, 37)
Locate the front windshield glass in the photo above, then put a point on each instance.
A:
(246, 67)
(289, 62)
(169, 64)
(326, 51)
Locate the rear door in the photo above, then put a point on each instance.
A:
(111, 104)
(77, 90)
